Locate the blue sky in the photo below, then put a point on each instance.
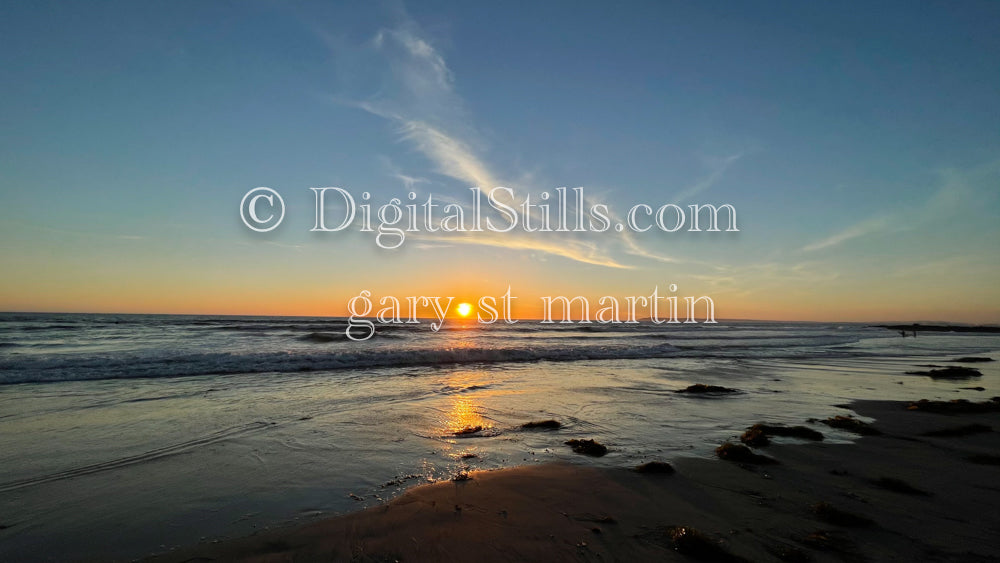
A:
(859, 142)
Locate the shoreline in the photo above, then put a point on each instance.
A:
(273, 454)
(899, 494)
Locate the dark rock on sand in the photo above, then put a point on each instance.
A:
(699, 388)
(802, 432)
(656, 467)
(851, 424)
(755, 437)
(468, 430)
(542, 424)
(400, 480)
(588, 447)
(696, 545)
(833, 515)
(957, 406)
(758, 434)
(742, 454)
(973, 360)
(950, 372)
(964, 430)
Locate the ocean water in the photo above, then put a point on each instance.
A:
(125, 435)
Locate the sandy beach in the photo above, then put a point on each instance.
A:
(502, 460)
(902, 494)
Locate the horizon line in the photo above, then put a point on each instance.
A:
(525, 319)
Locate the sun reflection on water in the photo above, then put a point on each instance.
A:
(464, 412)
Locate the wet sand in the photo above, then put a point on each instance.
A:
(899, 495)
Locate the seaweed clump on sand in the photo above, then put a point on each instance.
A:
(542, 425)
(468, 430)
(742, 454)
(696, 545)
(950, 372)
(833, 515)
(588, 447)
(956, 406)
(851, 424)
(973, 360)
(759, 434)
(655, 467)
(701, 388)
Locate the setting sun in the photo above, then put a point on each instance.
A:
(464, 309)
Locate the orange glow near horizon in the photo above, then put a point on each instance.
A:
(527, 308)
(174, 293)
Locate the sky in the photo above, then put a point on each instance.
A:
(858, 142)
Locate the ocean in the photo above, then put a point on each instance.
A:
(125, 435)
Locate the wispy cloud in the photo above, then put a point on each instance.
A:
(427, 69)
(861, 229)
(960, 192)
(409, 182)
(418, 96)
(586, 252)
(295, 247)
(452, 156)
(76, 233)
(429, 116)
(718, 167)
